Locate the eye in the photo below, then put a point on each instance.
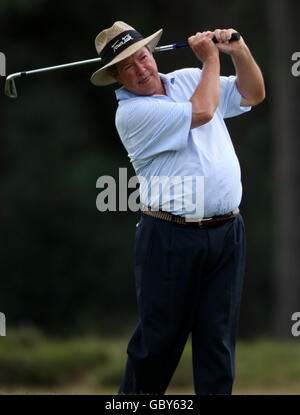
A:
(126, 67)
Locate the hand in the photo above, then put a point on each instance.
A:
(203, 46)
(223, 36)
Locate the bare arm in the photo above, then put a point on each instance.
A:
(249, 81)
(207, 94)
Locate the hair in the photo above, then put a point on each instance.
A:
(113, 69)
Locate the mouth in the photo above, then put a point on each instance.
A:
(145, 80)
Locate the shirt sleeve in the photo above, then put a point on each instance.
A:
(149, 126)
(230, 99)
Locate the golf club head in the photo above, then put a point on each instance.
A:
(10, 86)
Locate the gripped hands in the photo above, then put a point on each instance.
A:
(203, 46)
(224, 45)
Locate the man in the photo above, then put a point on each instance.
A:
(190, 256)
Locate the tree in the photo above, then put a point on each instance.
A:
(283, 95)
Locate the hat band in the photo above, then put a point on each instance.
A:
(118, 44)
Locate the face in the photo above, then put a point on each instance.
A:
(139, 74)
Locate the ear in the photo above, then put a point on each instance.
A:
(115, 76)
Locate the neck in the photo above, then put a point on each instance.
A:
(161, 90)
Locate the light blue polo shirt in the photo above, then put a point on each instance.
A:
(193, 173)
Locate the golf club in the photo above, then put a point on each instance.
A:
(10, 86)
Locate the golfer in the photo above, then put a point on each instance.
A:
(190, 241)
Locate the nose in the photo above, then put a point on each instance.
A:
(139, 68)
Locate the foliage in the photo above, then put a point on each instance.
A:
(28, 358)
(30, 362)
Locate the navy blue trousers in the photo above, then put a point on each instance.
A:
(188, 280)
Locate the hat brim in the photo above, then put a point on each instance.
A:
(102, 77)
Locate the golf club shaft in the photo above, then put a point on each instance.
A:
(10, 89)
(66, 65)
(234, 36)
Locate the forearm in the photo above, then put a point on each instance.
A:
(207, 94)
(249, 81)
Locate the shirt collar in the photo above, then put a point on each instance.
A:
(167, 79)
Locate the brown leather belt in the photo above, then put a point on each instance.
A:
(203, 223)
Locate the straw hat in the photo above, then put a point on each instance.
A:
(117, 43)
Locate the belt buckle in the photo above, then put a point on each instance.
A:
(201, 221)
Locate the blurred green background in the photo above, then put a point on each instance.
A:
(66, 270)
